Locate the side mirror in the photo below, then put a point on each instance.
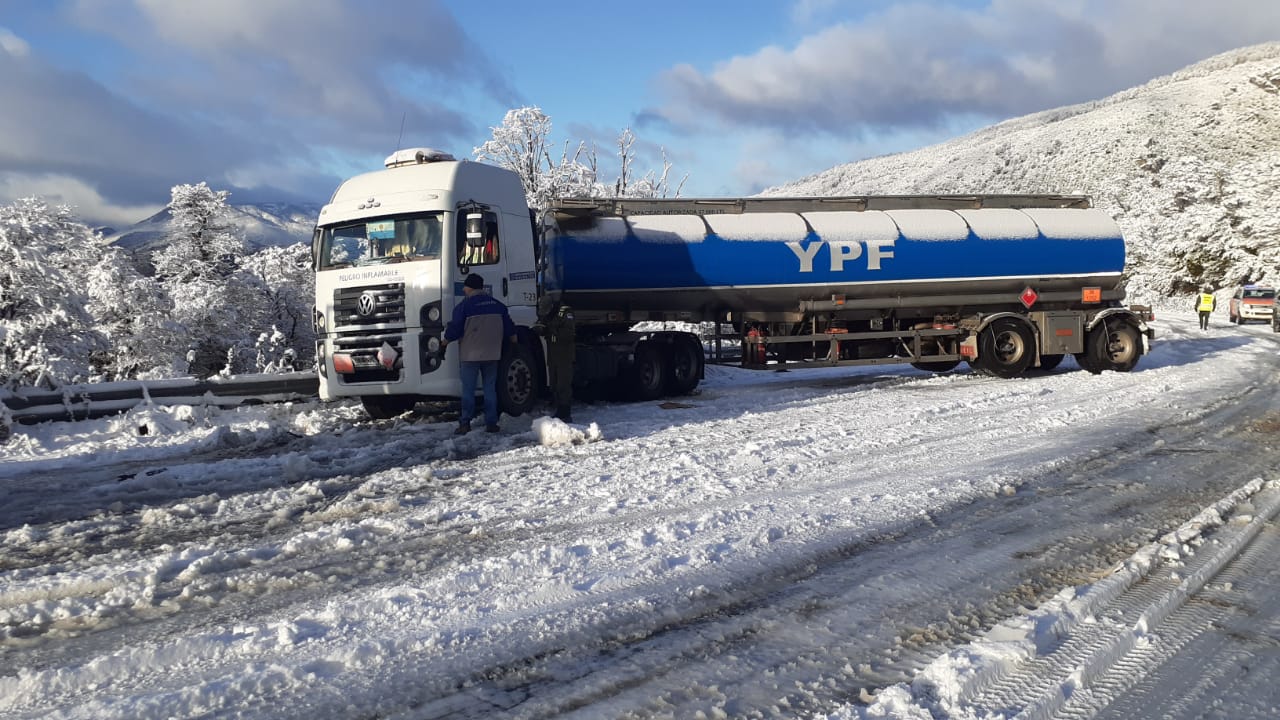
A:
(475, 230)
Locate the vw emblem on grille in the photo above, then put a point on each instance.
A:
(367, 304)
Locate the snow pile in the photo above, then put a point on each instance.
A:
(552, 431)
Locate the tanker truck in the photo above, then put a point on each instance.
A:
(1005, 283)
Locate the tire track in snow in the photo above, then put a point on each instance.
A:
(1202, 649)
(662, 667)
(1126, 626)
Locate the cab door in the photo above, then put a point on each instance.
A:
(482, 248)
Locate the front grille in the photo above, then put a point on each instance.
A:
(384, 306)
(363, 348)
(365, 318)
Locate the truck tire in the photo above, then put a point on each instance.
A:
(1006, 348)
(686, 366)
(1113, 347)
(385, 407)
(1085, 361)
(647, 378)
(517, 389)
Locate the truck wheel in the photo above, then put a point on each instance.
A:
(648, 373)
(385, 407)
(686, 366)
(1085, 361)
(517, 390)
(1005, 348)
(1115, 347)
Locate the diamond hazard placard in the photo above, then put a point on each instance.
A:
(1028, 297)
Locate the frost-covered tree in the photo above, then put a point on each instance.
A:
(652, 184)
(134, 312)
(274, 353)
(202, 242)
(46, 335)
(521, 144)
(574, 175)
(285, 285)
(199, 269)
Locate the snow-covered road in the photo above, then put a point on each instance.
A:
(791, 544)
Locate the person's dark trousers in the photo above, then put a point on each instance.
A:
(1204, 320)
(488, 374)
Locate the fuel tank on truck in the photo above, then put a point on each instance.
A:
(768, 254)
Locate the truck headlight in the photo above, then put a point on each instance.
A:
(433, 313)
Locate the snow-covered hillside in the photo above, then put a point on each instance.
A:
(1189, 164)
(263, 224)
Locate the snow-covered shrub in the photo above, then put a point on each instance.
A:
(46, 335)
(135, 314)
(285, 287)
(199, 269)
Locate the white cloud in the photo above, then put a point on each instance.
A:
(58, 123)
(916, 64)
(328, 66)
(12, 44)
(87, 202)
(279, 96)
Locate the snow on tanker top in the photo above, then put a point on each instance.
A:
(836, 248)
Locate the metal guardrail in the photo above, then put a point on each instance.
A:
(83, 402)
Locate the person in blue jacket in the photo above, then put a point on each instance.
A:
(479, 325)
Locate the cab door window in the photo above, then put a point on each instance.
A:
(479, 242)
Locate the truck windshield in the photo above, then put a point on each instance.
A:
(376, 241)
(1260, 293)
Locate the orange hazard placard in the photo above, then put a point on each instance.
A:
(1091, 294)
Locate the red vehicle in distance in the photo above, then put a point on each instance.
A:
(1252, 302)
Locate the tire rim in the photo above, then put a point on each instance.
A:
(1120, 346)
(1009, 347)
(518, 385)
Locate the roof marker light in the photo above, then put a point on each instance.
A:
(416, 156)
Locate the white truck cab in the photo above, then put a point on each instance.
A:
(391, 250)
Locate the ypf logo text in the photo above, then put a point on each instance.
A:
(841, 252)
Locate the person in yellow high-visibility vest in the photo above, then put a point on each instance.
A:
(1205, 304)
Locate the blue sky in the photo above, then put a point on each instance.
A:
(106, 104)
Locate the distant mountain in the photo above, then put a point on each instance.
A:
(263, 225)
(1188, 164)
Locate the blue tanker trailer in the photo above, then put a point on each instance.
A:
(1007, 283)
